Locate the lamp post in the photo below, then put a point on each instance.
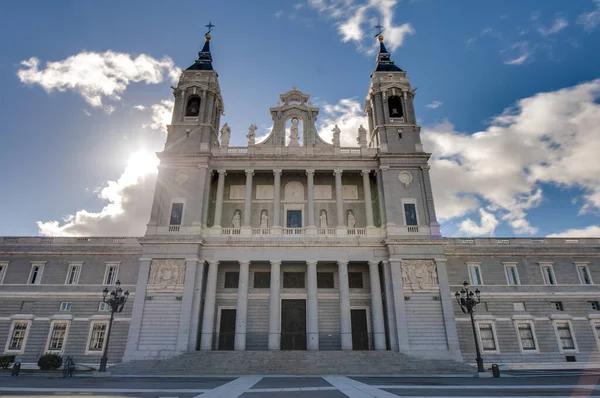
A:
(467, 300)
(116, 301)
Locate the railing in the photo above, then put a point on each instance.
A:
(237, 150)
(293, 231)
(357, 231)
(47, 240)
(261, 231)
(326, 231)
(350, 151)
(538, 241)
(412, 228)
(231, 231)
(174, 228)
(502, 241)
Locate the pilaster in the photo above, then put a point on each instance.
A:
(376, 306)
(241, 314)
(208, 320)
(183, 334)
(345, 321)
(311, 228)
(219, 203)
(312, 318)
(275, 306)
(247, 226)
(399, 306)
(138, 309)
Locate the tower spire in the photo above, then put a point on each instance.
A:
(204, 61)
(384, 63)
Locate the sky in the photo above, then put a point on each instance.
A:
(508, 99)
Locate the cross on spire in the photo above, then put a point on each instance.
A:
(210, 26)
(379, 28)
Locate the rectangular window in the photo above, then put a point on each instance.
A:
(325, 280)
(548, 274)
(410, 212)
(526, 336)
(594, 305)
(3, 267)
(355, 280)
(486, 334)
(584, 274)
(176, 213)
(232, 279)
(475, 274)
(512, 276)
(557, 305)
(565, 336)
(65, 306)
(35, 276)
(58, 333)
(73, 274)
(103, 307)
(293, 280)
(262, 280)
(18, 336)
(97, 337)
(110, 277)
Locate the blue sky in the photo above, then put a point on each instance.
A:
(507, 98)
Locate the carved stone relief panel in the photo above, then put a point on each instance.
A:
(237, 192)
(264, 192)
(349, 192)
(419, 274)
(323, 192)
(166, 274)
(294, 192)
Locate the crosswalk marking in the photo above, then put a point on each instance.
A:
(233, 389)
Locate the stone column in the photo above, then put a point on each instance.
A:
(199, 201)
(377, 306)
(399, 305)
(202, 107)
(195, 318)
(339, 203)
(277, 200)
(241, 311)
(310, 174)
(248, 202)
(345, 321)
(447, 307)
(275, 306)
(312, 303)
(187, 299)
(206, 200)
(138, 309)
(390, 307)
(381, 201)
(208, 320)
(219, 204)
(368, 199)
(209, 109)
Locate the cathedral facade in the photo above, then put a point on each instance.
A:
(294, 243)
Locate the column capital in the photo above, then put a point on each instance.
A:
(213, 262)
(342, 263)
(373, 263)
(244, 262)
(365, 172)
(275, 262)
(192, 259)
(277, 171)
(425, 168)
(311, 263)
(384, 168)
(203, 166)
(222, 171)
(338, 171)
(310, 172)
(249, 172)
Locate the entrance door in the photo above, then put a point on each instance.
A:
(227, 330)
(360, 333)
(294, 218)
(293, 324)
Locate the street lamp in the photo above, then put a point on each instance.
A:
(467, 300)
(116, 301)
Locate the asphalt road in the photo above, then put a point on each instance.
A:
(556, 385)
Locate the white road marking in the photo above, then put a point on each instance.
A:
(355, 389)
(233, 389)
(291, 389)
(491, 387)
(103, 390)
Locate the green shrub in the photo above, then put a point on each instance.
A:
(50, 362)
(6, 360)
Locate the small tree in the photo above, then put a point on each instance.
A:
(6, 360)
(50, 362)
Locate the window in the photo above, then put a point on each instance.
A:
(103, 307)
(355, 280)
(518, 306)
(395, 107)
(262, 280)
(73, 274)
(325, 280)
(65, 306)
(176, 213)
(564, 335)
(110, 276)
(232, 280)
(512, 276)
(410, 214)
(548, 274)
(475, 273)
(293, 280)
(18, 336)
(526, 336)
(594, 305)
(557, 305)
(58, 336)
(3, 267)
(193, 106)
(487, 336)
(35, 276)
(584, 274)
(96, 337)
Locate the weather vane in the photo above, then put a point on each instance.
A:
(379, 28)
(210, 26)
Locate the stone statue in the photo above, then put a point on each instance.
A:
(336, 135)
(251, 134)
(362, 137)
(225, 135)
(351, 221)
(323, 219)
(264, 219)
(294, 133)
(237, 219)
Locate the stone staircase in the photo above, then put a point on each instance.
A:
(290, 363)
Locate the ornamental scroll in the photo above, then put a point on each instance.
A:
(419, 274)
(166, 273)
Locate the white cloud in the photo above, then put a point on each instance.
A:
(591, 19)
(278, 14)
(348, 115)
(98, 77)
(161, 115)
(139, 107)
(549, 138)
(558, 25)
(355, 21)
(593, 231)
(523, 50)
(487, 226)
(434, 105)
(127, 204)
(86, 112)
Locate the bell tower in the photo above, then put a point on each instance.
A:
(389, 108)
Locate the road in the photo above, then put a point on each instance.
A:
(557, 386)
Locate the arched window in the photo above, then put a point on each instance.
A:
(193, 106)
(395, 107)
